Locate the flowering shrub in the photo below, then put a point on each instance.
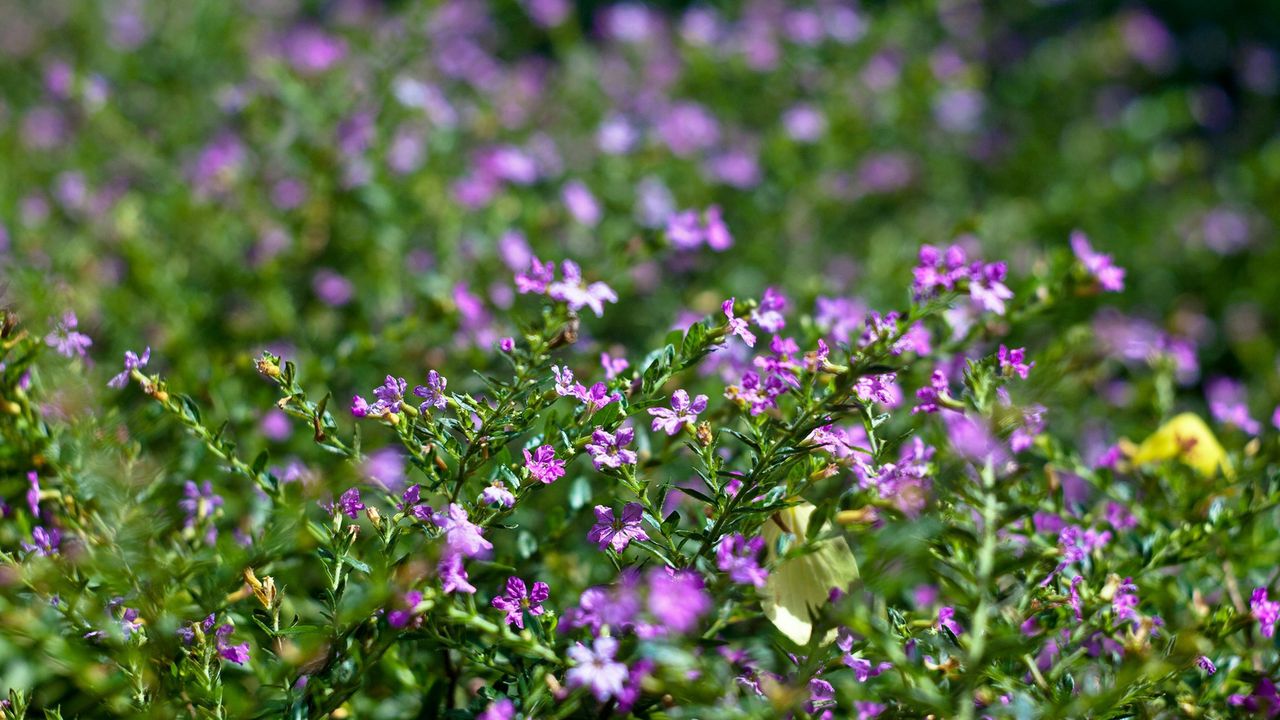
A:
(520, 376)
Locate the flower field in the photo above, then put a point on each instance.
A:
(532, 359)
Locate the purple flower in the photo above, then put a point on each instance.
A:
(822, 695)
(739, 557)
(577, 294)
(687, 231)
(683, 412)
(200, 502)
(433, 392)
(33, 492)
(131, 362)
(507, 344)
(311, 51)
(543, 465)
(1100, 266)
(1204, 663)
(769, 315)
(518, 599)
(453, 576)
(613, 366)
(65, 340)
(565, 386)
(502, 708)
(677, 598)
(536, 278)
(462, 537)
(987, 288)
(608, 449)
(1228, 404)
(1125, 602)
(43, 542)
(595, 668)
(581, 203)
(1275, 418)
(867, 710)
(946, 619)
(238, 654)
(877, 388)
(737, 325)
(611, 531)
(939, 390)
(938, 270)
(497, 494)
(1012, 362)
(595, 397)
(403, 615)
(350, 504)
(1024, 436)
(1266, 612)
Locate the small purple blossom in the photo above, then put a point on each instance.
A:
(1266, 612)
(594, 668)
(200, 502)
(739, 557)
(1125, 602)
(33, 493)
(43, 542)
(433, 392)
(453, 576)
(349, 504)
(877, 388)
(1013, 362)
(683, 412)
(938, 391)
(462, 537)
(403, 615)
(497, 494)
(66, 340)
(737, 325)
(677, 598)
(536, 278)
(500, 709)
(517, 599)
(769, 315)
(1228, 404)
(1109, 275)
(131, 362)
(543, 465)
(617, 532)
(613, 366)
(946, 619)
(573, 291)
(608, 450)
(1204, 663)
(238, 654)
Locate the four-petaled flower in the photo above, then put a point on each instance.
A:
(615, 532)
(609, 449)
(683, 412)
(518, 599)
(131, 362)
(543, 465)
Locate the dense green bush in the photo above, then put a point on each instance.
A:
(916, 360)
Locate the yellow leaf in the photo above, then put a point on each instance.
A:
(799, 586)
(1185, 438)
